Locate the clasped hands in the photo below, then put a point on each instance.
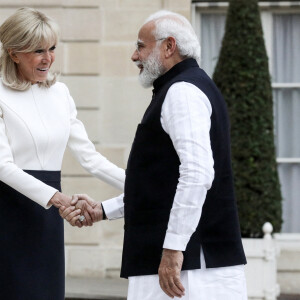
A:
(71, 209)
(82, 205)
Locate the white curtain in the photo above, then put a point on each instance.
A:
(286, 69)
(212, 30)
(286, 48)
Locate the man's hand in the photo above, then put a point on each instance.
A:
(84, 206)
(169, 273)
(91, 209)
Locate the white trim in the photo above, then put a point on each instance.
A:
(290, 237)
(288, 160)
(279, 85)
(211, 4)
(267, 25)
(279, 4)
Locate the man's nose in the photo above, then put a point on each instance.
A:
(135, 56)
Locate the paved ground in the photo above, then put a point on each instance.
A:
(101, 289)
(110, 289)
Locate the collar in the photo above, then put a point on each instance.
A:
(175, 70)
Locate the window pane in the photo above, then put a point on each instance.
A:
(212, 30)
(290, 177)
(286, 45)
(287, 125)
(286, 69)
(286, 61)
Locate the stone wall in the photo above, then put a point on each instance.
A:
(288, 270)
(93, 58)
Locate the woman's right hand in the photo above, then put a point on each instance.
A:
(84, 206)
(59, 199)
(72, 215)
(91, 209)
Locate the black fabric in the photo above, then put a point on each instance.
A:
(151, 179)
(31, 245)
(103, 212)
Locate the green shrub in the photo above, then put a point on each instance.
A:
(242, 75)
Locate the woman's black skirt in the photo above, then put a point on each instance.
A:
(31, 245)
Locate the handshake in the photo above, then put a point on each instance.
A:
(80, 210)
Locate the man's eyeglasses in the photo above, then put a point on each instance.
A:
(139, 45)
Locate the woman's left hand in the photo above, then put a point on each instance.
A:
(59, 199)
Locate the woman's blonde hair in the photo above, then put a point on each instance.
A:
(26, 30)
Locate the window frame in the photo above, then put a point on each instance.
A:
(267, 10)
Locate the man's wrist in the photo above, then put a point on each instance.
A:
(170, 251)
(104, 217)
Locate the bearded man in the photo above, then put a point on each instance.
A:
(182, 236)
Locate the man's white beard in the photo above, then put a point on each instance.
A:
(152, 69)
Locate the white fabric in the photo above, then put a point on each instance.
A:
(227, 283)
(114, 208)
(35, 127)
(185, 116)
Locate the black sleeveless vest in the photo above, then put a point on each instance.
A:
(151, 179)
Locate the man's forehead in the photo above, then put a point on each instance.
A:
(146, 31)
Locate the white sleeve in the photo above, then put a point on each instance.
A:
(185, 117)
(114, 208)
(86, 154)
(16, 178)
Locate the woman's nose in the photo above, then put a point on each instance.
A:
(46, 56)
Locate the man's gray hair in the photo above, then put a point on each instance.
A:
(170, 24)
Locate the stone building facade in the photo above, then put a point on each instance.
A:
(93, 58)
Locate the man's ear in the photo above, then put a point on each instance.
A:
(13, 56)
(170, 47)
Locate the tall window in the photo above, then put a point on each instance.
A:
(282, 36)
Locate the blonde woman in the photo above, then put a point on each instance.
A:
(37, 122)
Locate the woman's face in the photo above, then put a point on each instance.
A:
(34, 66)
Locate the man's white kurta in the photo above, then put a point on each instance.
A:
(185, 117)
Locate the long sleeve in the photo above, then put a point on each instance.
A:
(114, 207)
(16, 178)
(185, 117)
(85, 153)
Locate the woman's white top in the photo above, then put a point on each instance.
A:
(36, 126)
